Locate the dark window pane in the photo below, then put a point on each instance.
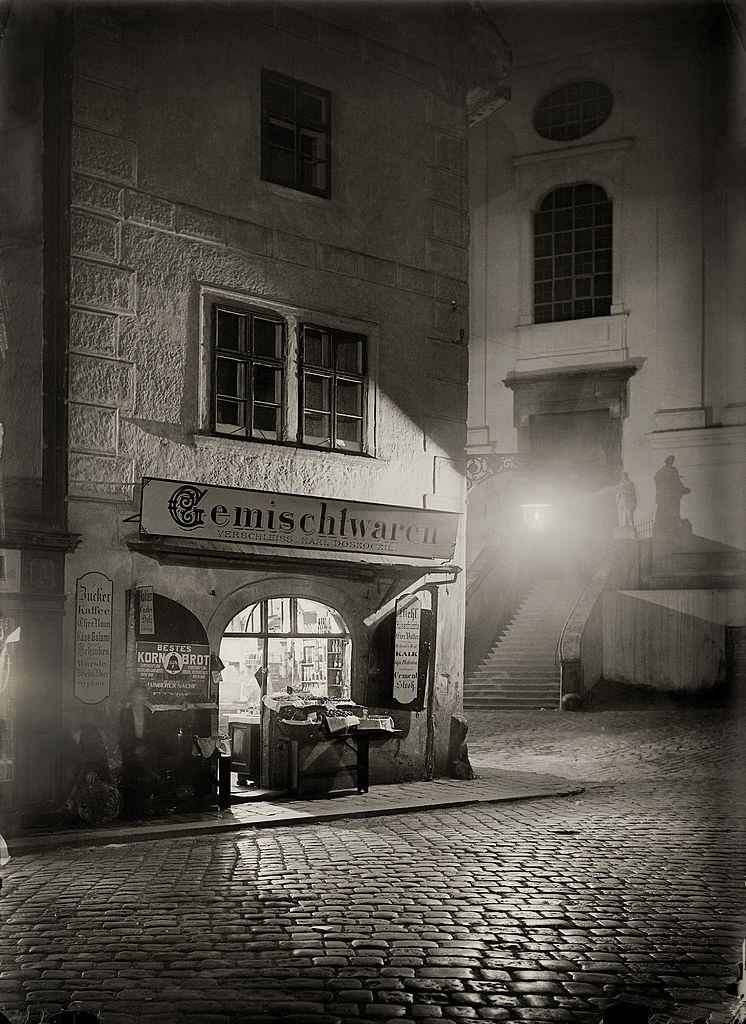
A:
(602, 284)
(349, 433)
(317, 393)
(542, 270)
(563, 197)
(583, 308)
(280, 96)
(602, 262)
(563, 266)
(316, 348)
(602, 307)
(602, 238)
(543, 245)
(543, 223)
(349, 352)
(266, 421)
(229, 414)
(349, 397)
(267, 338)
(562, 220)
(311, 107)
(543, 313)
(602, 214)
(266, 384)
(281, 134)
(229, 329)
(562, 310)
(563, 242)
(313, 174)
(583, 240)
(582, 287)
(563, 289)
(317, 429)
(230, 377)
(281, 165)
(583, 216)
(312, 144)
(543, 291)
(583, 262)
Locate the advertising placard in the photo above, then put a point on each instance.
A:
(93, 620)
(174, 673)
(173, 508)
(147, 618)
(407, 648)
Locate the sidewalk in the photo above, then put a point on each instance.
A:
(492, 786)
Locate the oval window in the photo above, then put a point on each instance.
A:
(572, 111)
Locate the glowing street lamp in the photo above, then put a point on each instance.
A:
(536, 515)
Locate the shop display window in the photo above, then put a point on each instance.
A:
(301, 646)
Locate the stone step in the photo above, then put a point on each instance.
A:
(520, 704)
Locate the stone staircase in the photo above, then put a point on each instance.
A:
(519, 672)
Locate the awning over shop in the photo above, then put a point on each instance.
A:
(264, 557)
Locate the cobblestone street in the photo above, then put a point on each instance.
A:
(539, 910)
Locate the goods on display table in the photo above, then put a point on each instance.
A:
(311, 718)
(320, 731)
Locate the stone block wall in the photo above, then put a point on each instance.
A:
(136, 244)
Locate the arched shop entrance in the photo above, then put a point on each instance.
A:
(274, 645)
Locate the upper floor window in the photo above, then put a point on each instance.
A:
(333, 385)
(296, 134)
(248, 353)
(572, 111)
(573, 254)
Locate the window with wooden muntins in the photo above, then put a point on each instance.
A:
(296, 134)
(573, 254)
(248, 353)
(333, 386)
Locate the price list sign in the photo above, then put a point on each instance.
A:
(407, 648)
(93, 618)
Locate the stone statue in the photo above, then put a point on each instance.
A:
(669, 490)
(626, 503)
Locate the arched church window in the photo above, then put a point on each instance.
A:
(572, 111)
(572, 254)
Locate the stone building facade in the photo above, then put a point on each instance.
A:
(161, 184)
(607, 310)
(668, 156)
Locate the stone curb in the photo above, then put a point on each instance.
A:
(22, 845)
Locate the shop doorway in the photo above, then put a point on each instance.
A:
(279, 644)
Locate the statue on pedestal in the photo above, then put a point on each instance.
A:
(626, 503)
(669, 490)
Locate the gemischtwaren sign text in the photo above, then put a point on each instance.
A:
(174, 508)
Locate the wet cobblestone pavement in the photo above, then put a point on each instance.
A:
(540, 911)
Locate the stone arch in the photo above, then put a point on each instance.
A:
(315, 589)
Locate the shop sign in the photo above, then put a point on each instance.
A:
(407, 648)
(147, 619)
(171, 508)
(174, 673)
(93, 618)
